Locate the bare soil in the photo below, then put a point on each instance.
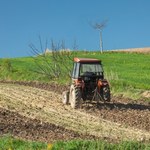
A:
(34, 111)
(33, 129)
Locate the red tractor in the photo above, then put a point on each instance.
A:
(88, 83)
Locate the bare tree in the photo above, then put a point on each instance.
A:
(100, 26)
(53, 62)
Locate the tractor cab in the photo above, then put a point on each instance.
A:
(87, 69)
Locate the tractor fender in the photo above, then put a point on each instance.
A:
(102, 83)
(79, 83)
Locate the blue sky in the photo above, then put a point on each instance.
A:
(23, 21)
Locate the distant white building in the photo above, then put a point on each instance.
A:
(47, 51)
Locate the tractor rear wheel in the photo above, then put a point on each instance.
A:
(65, 97)
(106, 93)
(75, 96)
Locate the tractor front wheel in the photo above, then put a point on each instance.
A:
(75, 96)
(65, 97)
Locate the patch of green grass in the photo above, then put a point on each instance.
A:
(99, 145)
(23, 69)
(10, 143)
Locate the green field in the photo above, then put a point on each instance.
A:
(10, 143)
(128, 73)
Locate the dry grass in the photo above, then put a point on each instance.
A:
(134, 50)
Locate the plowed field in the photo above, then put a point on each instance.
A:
(35, 111)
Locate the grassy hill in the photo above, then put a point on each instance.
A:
(128, 73)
